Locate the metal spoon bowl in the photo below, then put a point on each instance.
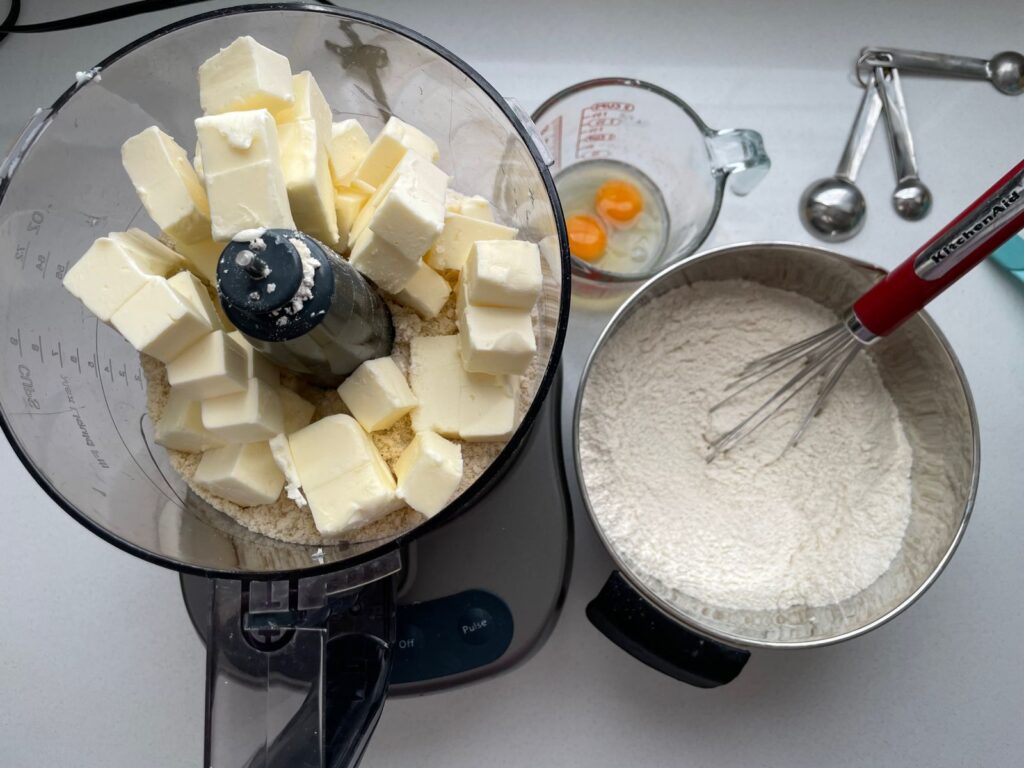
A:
(833, 209)
(912, 199)
(1006, 71)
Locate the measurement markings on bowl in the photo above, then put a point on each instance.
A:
(592, 134)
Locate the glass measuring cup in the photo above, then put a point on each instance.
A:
(658, 134)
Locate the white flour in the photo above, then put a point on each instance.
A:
(749, 531)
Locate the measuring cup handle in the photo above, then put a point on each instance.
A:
(739, 155)
(630, 621)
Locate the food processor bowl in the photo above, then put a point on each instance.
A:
(73, 400)
(676, 632)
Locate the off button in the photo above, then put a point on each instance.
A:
(476, 626)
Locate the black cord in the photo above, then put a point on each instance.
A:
(11, 18)
(96, 17)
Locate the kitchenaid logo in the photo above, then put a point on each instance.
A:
(1001, 206)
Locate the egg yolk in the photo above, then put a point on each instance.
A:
(618, 202)
(587, 238)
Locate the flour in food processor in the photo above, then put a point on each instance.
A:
(751, 530)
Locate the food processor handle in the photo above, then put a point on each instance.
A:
(634, 624)
(328, 666)
(964, 243)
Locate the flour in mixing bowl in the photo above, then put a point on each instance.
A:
(751, 530)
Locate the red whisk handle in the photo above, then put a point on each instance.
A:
(984, 225)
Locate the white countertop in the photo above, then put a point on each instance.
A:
(100, 666)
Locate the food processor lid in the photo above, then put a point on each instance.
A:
(74, 409)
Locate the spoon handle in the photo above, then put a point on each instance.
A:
(904, 160)
(962, 244)
(925, 61)
(860, 134)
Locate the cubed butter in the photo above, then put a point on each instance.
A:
(307, 177)
(197, 162)
(309, 104)
(426, 293)
(147, 250)
(459, 233)
(410, 216)
(358, 497)
(477, 207)
(245, 417)
(202, 258)
(391, 144)
(348, 202)
(282, 454)
(112, 271)
(244, 180)
(256, 364)
(192, 289)
(298, 411)
(348, 146)
(453, 402)
(496, 340)
(381, 262)
(213, 366)
(245, 75)
(487, 408)
(244, 474)
(377, 394)
(181, 426)
(503, 273)
(167, 185)
(429, 472)
(328, 448)
(159, 321)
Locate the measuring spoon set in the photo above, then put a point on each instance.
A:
(833, 209)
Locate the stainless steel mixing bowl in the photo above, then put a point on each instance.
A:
(934, 401)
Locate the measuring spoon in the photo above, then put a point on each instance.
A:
(833, 209)
(911, 198)
(1004, 70)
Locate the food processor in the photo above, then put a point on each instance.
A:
(302, 639)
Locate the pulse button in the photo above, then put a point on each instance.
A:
(476, 626)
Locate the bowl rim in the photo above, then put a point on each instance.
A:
(465, 501)
(663, 605)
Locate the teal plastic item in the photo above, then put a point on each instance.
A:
(1011, 256)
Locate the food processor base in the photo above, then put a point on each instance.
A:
(483, 593)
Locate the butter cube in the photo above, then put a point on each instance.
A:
(298, 411)
(487, 408)
(181, 426)
(245, 75)
(396, 138)
(167, 185)
(328, 448)
(147, 250)
(192, 290)
(381, 262)
(347, 148)
(410, 216)
(159, 321)
(361, 496)
(427, 292)
(212, 367)
(307, 177)
(243, 474)
(244, 180)
(496, 340)
(455, 403)
(282, 454)
(460, 232)
(477, 207)
(429, 472)
(202, 258)
(246, 417)
(309, 104)
(359, 225)
(503, 273)
(113, 270)
(437, 376)
(197, 162)
(377, 394)
(348, 202)
(256, 364)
